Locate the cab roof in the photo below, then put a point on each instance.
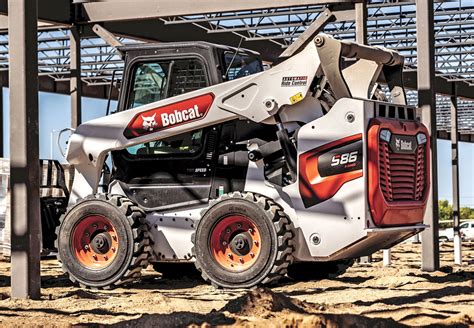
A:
(183, 44)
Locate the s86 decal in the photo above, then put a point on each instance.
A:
(325, 169)
(341, 159)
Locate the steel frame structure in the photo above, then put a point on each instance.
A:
(389, 24)
(443, 37)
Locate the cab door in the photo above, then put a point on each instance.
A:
(173, 172)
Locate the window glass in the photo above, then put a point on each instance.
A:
(464, 225)
(188, 143)
(149, 85)
(240, 65)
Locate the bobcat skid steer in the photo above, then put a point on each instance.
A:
(250, 174)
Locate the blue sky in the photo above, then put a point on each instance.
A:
(55, 115)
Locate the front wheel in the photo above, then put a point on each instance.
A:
(243, 239)
(103, 241)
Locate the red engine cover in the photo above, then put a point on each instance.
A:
(398, 172)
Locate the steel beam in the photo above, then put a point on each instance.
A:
(427, 104)
(455, 177)
(119, 10)
(361, 22)
(75, 81)
(24, 145)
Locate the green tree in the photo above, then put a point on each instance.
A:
(445, 210)
(466, 213)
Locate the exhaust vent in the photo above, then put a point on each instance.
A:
(395, 111)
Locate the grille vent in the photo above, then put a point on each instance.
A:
(395, 111)
(402, 176)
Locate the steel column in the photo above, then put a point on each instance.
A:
(24, 144)
(2, 148)
(455, 177)
(75, 82)
(361, 22)
(427, 104)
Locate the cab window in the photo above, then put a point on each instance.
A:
(183, 144)
(149, 85)
(240, 65)
(154, 81)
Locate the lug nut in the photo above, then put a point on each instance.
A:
(252, 255)
(224, 243)
(86, 247)
(106, 257)
(228, 231)
(239, 225)
(95, 257)
(106, 227)
(255, 242)
(250, 230)
(229, 255)
(113, 249)
(241, 260)
(94, 226)
(86, 234)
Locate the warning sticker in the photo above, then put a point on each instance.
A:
(296, 98)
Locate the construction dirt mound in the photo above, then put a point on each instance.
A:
(260, 301)
(261, 304)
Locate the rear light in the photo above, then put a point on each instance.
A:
(421, 138)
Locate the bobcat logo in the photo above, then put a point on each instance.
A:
(149, 122)
(401, 144)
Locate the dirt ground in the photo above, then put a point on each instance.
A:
(365, 296)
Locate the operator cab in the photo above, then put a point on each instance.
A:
(158, 71)
(192, 167)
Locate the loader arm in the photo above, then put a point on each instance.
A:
(257, 98)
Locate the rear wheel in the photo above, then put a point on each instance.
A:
(243, 239)
(103, 241)
(307, 271)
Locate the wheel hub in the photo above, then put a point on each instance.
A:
(101, 243)
(95, 242)
(235, 243)
(241, 243)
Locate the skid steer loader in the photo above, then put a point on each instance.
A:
(250, 174)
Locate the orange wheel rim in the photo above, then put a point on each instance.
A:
(235, 243)
(95, 242)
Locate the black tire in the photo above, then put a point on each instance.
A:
(130, 231)
(307, 271)
(276, 246)
(172, 270)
